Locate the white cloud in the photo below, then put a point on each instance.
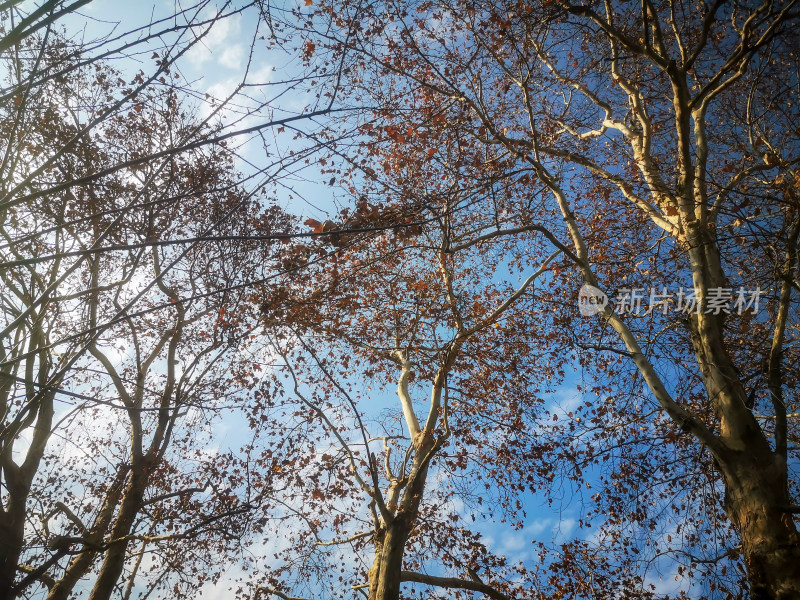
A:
(232, 57)
(263, 74)
(218, 42)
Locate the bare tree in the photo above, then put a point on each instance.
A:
(130, 248)
(653, 146)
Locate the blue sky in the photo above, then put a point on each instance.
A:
(214, 67)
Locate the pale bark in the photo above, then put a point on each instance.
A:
(754, 474)
(406, 489)
(757, 502)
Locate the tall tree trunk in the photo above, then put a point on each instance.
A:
(757, 502)
(384, 576)
(12, 523)
(18, 480)
(756, 493)
(115, 557)
(390, 543)
(82, 563)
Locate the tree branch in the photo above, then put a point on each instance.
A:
(454, 583)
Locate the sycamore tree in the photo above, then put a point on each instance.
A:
(416, 410)
(377, 491)
(601, 195)
(131, 246)
(121, 353)
(653, 148)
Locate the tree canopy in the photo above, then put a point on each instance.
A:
(535, 334)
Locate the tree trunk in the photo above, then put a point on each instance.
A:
(115, 557)
(11, 532)
(390, 543)
(80, 565)
(756, 492)
(757, 502)
(384, 576)
(18, 481)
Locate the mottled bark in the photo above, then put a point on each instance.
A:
(755, 475)
(390, 543)
(757, 502)
(384, 576)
